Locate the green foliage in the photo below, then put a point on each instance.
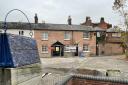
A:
(120, 6)
(101, 39)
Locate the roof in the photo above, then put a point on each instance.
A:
(57, 43)
(113, 30)
(47, 26)
(17, 51)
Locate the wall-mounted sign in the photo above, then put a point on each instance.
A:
(71, 48)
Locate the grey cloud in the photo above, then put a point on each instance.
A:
(57, 11)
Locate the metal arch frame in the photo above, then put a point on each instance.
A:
(5, 23)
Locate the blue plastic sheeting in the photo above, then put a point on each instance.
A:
(17, 51)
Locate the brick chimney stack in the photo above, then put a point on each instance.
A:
(88, 21)
(36, 19)
(102, 20)
(69, 20)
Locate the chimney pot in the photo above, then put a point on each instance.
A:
(69, 20)
(102, 20)
(36, 19)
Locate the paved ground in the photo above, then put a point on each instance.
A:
(62, 67)
(95, 63)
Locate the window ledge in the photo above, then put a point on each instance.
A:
(45, 52)
(44, 39)
(86, 51)
(66, 39)
(86, 38)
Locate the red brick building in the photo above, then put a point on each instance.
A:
(65, 40)
(112, 44)
(102, 24)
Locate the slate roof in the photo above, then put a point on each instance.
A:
(57, 43)
(47, 26)
(17, 51)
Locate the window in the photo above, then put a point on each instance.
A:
(116, 34)
(21, 32)
(45, 49)
(85, 47)
(67, 36)
(86, 35)
(45, 36)
(66, 48)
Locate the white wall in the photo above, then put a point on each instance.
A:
(16, 31)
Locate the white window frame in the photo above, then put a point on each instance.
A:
(67, 35)
(88, 49)
(87, 35)
(45, 36)
(44, 49)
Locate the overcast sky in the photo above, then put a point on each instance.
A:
(57, 11)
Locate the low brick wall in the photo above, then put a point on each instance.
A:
(77, 81)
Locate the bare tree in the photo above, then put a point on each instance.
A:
(121, 7)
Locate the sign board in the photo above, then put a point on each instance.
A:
(71, 48)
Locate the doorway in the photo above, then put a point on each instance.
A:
(57, 49)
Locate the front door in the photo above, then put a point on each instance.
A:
(57, 49)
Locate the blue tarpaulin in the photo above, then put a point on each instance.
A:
(17, 51)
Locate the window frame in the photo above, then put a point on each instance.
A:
(84, 49)
(44, 49)
(86, 35)
(45, 35)
(67, 35)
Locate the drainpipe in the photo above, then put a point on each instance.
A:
(96, 45)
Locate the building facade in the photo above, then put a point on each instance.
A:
(65, 40)
(112, 44)
(68, 40)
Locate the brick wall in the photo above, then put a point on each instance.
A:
(77, 81)
(54, 36)
(111, 49)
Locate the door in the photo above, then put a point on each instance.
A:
(56, 51)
